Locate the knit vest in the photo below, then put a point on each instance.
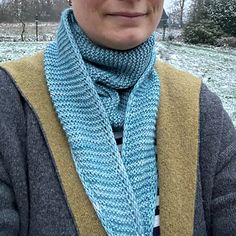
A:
(177, 140)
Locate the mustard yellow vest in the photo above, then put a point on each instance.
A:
(177, 135)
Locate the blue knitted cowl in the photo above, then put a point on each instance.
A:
(95, 90)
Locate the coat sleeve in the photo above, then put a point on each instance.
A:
(217, 165)
(11, 143)
(224, 192)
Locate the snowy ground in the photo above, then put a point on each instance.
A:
(14, 50)
(215, 66)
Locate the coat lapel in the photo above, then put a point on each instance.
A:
(177, 142)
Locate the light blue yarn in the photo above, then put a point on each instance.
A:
(93, 90)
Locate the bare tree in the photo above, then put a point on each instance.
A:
(22, 36)
(177, 13)
(181, 5)
(26, 10)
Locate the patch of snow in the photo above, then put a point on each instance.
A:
(15, 50)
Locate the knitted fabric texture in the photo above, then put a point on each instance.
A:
(95, 90)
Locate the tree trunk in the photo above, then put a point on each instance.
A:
(181, 4)
(23, 29)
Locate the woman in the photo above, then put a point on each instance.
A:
(66, 112)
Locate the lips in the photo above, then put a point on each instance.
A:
(128, 14)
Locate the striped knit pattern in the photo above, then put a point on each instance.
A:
(156, 229)
(94, 90)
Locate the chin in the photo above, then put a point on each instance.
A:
(128, 41)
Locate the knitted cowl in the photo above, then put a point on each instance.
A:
(95, 90)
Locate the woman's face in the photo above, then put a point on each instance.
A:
(118, 24)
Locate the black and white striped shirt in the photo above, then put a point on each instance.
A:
(156, 230)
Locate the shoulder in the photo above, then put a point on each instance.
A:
(179, 86)
(210, 103)
(215, 124)
(171, 77)
(182, 88)
(171, 74)
(15, 76)
(27, 74)
(8, 92)
(214, 120)
(180, 91)
(24, 67)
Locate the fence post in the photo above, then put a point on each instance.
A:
(36, 27)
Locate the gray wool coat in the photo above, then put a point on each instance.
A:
(33, 203)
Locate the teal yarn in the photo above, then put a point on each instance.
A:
(95, 90)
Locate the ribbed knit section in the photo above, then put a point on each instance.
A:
(94, 89)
